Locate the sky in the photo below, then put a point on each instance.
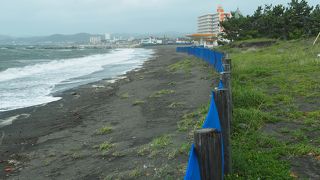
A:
(45, 17)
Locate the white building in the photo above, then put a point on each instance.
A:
(95, 40)
(209, 28)
(210, 23)
(107, 37)
(151, 41)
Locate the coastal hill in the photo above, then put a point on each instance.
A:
(55, 38)
(78, 38)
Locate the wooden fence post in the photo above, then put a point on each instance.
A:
(224, 110)
(209, 152)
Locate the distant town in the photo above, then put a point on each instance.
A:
(110, 41)
(209, 33)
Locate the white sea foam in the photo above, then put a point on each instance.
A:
(34, 84)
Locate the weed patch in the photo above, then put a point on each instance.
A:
(184, 65)
(138, 102)
(105, 130)
(162, 93)
(105, 146)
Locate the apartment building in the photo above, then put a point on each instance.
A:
(210, 23)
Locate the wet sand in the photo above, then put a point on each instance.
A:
(59, 140)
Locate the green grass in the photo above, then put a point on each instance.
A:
(176, 104)
(105, 130)
(137, 102)
(269, 85)
(124, 95)
(193, 121)
(183, 65)
(105, 146)
(162, 93)
(156, 146)
(161, 142)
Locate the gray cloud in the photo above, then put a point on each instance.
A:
(42, 17)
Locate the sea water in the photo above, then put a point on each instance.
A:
(30, 75)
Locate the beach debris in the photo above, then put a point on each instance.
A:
(293, 174)
(8, 169)
(243, 126)
(76, 115)
(311, 154)
(14, 162)
(73, 93)
(98, 86)
(145, 166)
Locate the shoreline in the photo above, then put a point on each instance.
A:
(58, 132)
(60, 94)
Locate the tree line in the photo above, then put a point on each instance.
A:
(297, 20)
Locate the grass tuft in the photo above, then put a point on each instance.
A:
(124, 96)
(105, 130)
(162, 93)
(184, 65)
(105, 146)
(137, 102)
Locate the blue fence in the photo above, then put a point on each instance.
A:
(214, 58)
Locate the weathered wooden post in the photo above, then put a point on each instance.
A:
(224, 110)
(209, 151)
(226, 75)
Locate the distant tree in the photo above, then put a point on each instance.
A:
(298, 15)
(315, 21)
(292, 22)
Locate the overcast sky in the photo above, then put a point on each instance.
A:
(44, 17)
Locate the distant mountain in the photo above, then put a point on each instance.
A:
(61, 38)
(52, 39)
(3, 37)
(80, 38)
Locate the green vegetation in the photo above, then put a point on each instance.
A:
(131, 174)
(76, 156)
(156, 146)
(273, 84)
(137, 102)
(162, 92)
(193, 121)
(106, 146)
(124, 96)
(176, 104)
(295, 21)
(105, 130)
(184, 65)
(277, 86)
(161, 142)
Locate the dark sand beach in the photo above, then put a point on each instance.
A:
(109, 130)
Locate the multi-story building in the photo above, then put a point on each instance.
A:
(209, 28)
(95, 40)
(107, 36)
(210, 23)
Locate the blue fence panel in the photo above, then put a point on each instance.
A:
(212, 121)
(214, 58)
(193, 169)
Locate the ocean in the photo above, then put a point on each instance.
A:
(30, 75)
